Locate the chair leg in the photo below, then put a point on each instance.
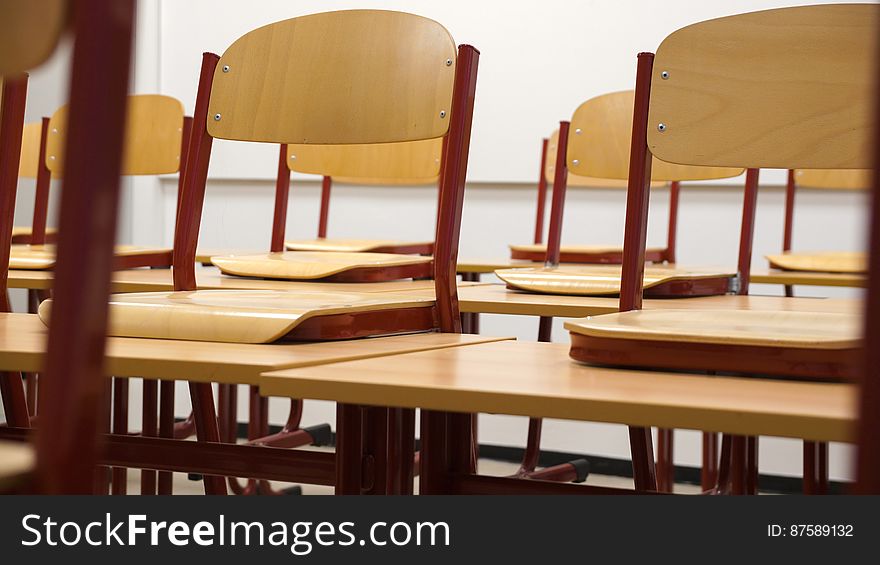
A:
(665, 460)
(815, 468)
(752, 465)
(738, 465)
(709, 468)
(149, 428)
(120, 427)
(206, 428)
(102, 474)
(166, 430)
(14, 400)
(642, 449)
(349, 449)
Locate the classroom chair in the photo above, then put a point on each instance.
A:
(68, 438)
(31, 166)
(245, 95)
(597, 149)
(822, 261)
(730, 63)
(603, 254)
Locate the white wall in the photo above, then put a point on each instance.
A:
(539, 61)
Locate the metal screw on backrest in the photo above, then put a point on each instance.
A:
(293, 157)
(442, 113)
(578, 131)
(664, 75)
(661, 127)
(576, 162)
(217, 117)
(448, 62)
(51, 157)
(225, 68)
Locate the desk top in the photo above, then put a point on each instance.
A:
(778, 276)
(484, 266)
(540, 380)
(16, 461)
(159, 280)
(497, 299)
(23, 345)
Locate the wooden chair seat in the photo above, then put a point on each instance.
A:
(22, 234)
(313, 265)
(362, 246)
(42, 257)
(604, 280)
(607, 254)
(16, 462)
(853, 262)
(261, 316)
(820, 345)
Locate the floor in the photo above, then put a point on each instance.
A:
(182, 485)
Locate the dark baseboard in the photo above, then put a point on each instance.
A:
(614, 467)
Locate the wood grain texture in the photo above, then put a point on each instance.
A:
(23, 346)
(374, 77)
(777, 276)
(42, 257)
(29, 32)
(347, 245)
(786, 88)
(30, 150)
(153, 130)
(831, 179)
(596, 280)
(800, 330)
(417, 161)
(848, 262)
(602, 147)
(539, 380)
(305, 265)
(236, 316)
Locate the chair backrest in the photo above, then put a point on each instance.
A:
(408, 163)
(785, 88)
(599, 143)
(336, 78)
(30, 150)
(153, 130)
(831, 179)
(29, 32)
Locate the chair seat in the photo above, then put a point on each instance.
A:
(821, 262)
(42, 257)
(253, 316)
(808, 330)
(312, 265)
(607, 254)
(362, 246)
(806, 345)
(22, 234)
(601, 280)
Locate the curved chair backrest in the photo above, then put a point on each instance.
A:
(599, 143)
(30, 150)
(153, 131)
(29, 32)
(414, 162)
(337, 78)
(785, 88)
(831, 179)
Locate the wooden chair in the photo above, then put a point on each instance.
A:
(153, 146)
(244, 100)
(68, 440)
(598, 149)
(32, 166)
(602, 254)
(852, 262)
(774, 115)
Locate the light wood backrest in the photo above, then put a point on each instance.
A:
(373, 77)
(599, 144)
(379, 163)
(578, 180)
(153, 131)
(29, 32)
(30, 150)
(834, 179)
(786, 88)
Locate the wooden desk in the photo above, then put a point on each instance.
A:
(159, 280)
(497, 299)
(16, 462)
(777, 276)
(486, 266)
(23, 345)
(539, 380)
